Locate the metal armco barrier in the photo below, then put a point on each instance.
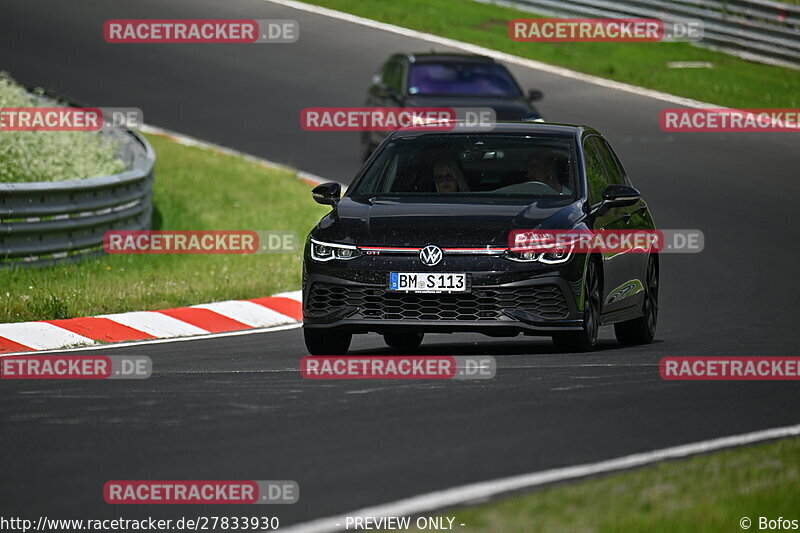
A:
(758, 30)
(49, 222)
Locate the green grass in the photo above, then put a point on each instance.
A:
(732, 82)
(708, 493)
(27, 156)
(195, 189)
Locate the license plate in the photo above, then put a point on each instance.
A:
(427, 282)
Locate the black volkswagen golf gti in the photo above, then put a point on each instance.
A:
(419, 243)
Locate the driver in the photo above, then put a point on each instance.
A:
(544, 169)
(448, 178)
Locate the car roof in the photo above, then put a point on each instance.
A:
(549, 129)
(447, 57)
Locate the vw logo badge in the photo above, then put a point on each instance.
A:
(430, 255)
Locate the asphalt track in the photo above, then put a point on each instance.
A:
(236, 407)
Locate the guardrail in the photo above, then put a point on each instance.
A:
(44, 223)
(757, 30)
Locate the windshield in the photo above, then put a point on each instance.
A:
(456, 165)
(461, 79)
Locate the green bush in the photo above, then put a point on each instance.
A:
(27, 156)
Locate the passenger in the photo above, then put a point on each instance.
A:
(448, 178)
(544, 169)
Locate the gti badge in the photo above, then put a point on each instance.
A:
(430, 255)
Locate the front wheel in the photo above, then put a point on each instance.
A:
(321, 342)
(585, 340)
(642, 330)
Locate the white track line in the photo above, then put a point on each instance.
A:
(501, 56)
(456, 496)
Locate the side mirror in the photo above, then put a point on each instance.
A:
(620, 196)
(534, 95)
(327, 193)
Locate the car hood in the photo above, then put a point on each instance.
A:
(469, 222)
(513, 109)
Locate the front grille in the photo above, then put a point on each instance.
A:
(376, 303)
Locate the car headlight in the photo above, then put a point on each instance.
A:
(556, 256)
(325, 251)
(551, 257)
(523, 257)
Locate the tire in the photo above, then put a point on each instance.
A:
(586, 339)
(404, 341)
(642, 330)
(321, 342)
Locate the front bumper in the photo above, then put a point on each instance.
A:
(534, 299)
